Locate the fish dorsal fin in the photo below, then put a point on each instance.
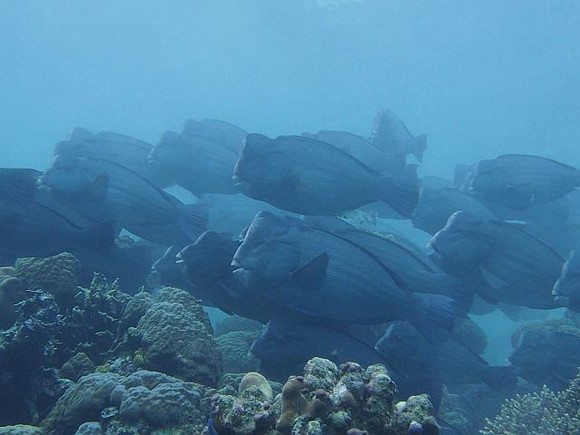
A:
(311, 276)
(525, 233)
(534, 157)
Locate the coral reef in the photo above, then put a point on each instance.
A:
(468, 333)
(254, 379)
(92, 324)
(246, 409)
(20, 429)
(325, 400)
(158, 400)
(58, 275)
(235, 348)
(82, 402)
(465, 407)
(77, 366)
(235, 324)
(547, 353)
(11, 292)
(565, 325)
(96, 360)
(138, 403)
(27, 386)
(176, 337)
(541, 413)
(44, 337)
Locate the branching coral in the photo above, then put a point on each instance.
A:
(541, 413)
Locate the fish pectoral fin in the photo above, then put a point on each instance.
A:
(293, 181)
(99, 186)
(495, 282)
(311, 276)
(523, 194)
(7, 223)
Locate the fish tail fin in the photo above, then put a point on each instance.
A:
(434, 316)
(100, 236)
(418, 146)
(194, 220)
(502, 379)
(402, 192)
(446, 285)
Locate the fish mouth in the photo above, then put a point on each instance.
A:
(179, 260)
(432, 246)
(242, 185)
(236, 264)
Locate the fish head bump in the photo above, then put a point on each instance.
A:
(265, 258)
(174, 149)
(568, 285)
(462, 244)
(260, 171)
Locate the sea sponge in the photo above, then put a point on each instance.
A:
(294, 403)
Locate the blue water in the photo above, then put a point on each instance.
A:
(480, 77)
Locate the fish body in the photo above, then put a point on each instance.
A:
(232, 213)
(357, 146)
(284, 347)
(223, 132)
(198, 163)
(439, 200)
(206, 264)
(129, 264)
(567, 287)
(202, 157)
(320, 274)
(391, 135)
(310, 177)
(29, 227)
(415, 272)
(134, 203)
(519, 268)
(521, 181)
(124, 150)
(412, 356)
(547, 358)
